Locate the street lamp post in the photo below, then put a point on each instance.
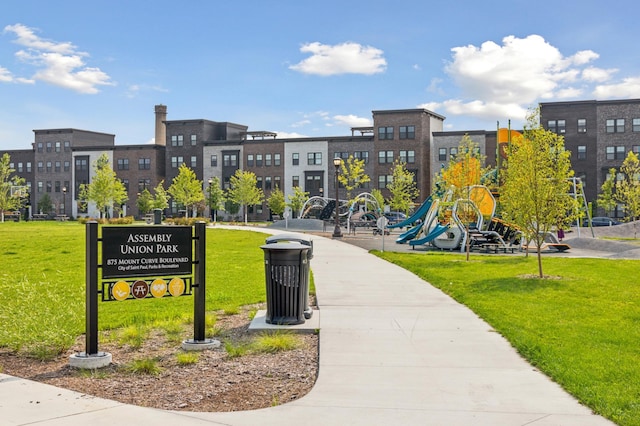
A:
(64, 200)
(337, 233)
(210, 208)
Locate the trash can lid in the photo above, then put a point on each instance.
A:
(285, 246)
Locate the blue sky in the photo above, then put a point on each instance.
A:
(303, 68)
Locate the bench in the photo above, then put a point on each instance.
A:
(15, 216)
(39, 216)
(61, 217)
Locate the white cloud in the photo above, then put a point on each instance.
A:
(628, 88)
(352, 121)
(345, 58)
(504, 80)
(59, 64)
(598, 75)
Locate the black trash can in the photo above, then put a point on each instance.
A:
(302, 239)
(287, 280)
(157, 216)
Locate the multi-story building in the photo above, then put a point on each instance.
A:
(598, 133)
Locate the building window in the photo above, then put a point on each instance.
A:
(562, 126)
(176, 161)
(194, 140)
(58, 147)
(276, 182)
(385, 133)
(362, 155)
(620, 152)
(57, 167)
(407, 132)
(384, 180)
(407, 156)
(40, 167)
(177, 140)
(385, 157)
(67, 166)
(314, 158)
(276, 160)
(229, 160)
(442, 154)
(295, 159)
(551, 126)
(267, 160)
(29, 166)
(194, 161)
(20, 167)
(267, 182)
(57, 186)
(615, 126)
(582, 125)
(343, 155)
(144, 184)
(582, 152)
(214, 160)
(82, 164)
(49, 149)
(67, 146)
(635, 123)
(453, 151)
(123, 164)
(49, 166)
(611, 152)
(40, 186)
(144, 163)
(48, 186)
(125, 182)
(39, 146)
(258, 160)
(557, 126)
(249, 160)
(295, 181)
(259, 181)
(635, 149)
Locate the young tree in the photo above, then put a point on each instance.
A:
(8, 200)
(606, 198)
(377, 195)
(160, 197)
(297, 200)
(352, 175)
(186, 189)
(45, 205)
(403, 188)
(244, 191)
(276, 201)
(628, 188)
(215, 196)
(536, 191)
(144, 202)
(105, 189)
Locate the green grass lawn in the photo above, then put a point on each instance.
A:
(42, 285)
(581, 326)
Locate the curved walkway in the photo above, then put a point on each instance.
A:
(393, 350)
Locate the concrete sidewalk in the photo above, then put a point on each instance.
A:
(393, 350)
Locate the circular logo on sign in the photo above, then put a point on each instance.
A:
(120, 290)
(158, 287)
(140, 289)
(176, 287)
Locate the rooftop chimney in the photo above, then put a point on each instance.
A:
(161, 129)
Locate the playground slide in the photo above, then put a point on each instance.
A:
(409, 235)
(419, 214)
(435, 233)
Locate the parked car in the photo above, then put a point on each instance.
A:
(395, 217)
(600, 221)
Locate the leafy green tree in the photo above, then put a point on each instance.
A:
(186, 189)
(606, 198)
(105, 189)
(230, 206)
(244, 191)
(45, 205)
(377, 194)
(536, 192)
(215, 196)
(628, 187)
(8, 201)
(144, 202)
(297, 200)
(276, 201)
(160, 197)
(352, 175)
(403, 188)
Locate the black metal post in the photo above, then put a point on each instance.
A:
(91, 343)
(337, 233)
(199, 292)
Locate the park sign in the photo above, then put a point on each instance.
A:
(137, 251)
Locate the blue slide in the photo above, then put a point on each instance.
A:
(419, 214)
(409, 235)
(435, 232)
